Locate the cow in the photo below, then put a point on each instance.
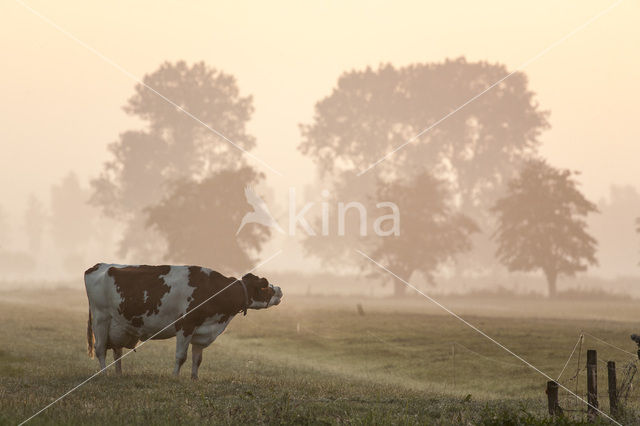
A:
(132, 303)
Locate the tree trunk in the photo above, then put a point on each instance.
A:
(399, 288)
(552, 278)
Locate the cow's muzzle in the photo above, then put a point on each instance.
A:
(277, 297)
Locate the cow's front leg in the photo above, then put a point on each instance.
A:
(196, 360)
(117, 354)
(182, 349)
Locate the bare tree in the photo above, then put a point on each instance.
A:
(542, 224)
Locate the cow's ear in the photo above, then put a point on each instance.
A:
(249, 278)
(264, 283)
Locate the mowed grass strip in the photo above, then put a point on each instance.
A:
(298, 363)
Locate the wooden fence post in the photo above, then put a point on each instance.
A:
(552, 398)
(613, 391)
(592, 383)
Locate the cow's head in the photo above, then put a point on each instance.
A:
(261, 294)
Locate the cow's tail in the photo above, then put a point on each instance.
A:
(90, 338)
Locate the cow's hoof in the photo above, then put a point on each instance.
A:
(194, 377)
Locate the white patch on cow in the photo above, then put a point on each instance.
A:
(173, 303)
(255, 304)
(209, 331)
(277, 296)
(145, 296)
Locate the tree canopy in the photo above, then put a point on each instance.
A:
(371, 112)
(173, 146)
(541, 223)
(199, 221)
(475, 151)
(432, 232)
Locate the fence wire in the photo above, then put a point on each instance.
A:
(625, 376)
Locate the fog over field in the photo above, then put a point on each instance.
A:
(364, 157)
(64, 109)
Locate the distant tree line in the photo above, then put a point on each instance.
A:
(65, 231)
(474, 179)
(474, 184)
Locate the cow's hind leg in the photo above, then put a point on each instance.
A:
(117, 354)
(182, 349)
(196, 360)
(101, 334)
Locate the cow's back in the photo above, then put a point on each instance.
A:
(138, 300)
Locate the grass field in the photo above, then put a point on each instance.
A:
(316, 360)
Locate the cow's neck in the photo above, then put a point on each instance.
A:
(245, 303)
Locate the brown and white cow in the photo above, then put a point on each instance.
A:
(129, 303)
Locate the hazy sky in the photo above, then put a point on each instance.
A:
(61, 104)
